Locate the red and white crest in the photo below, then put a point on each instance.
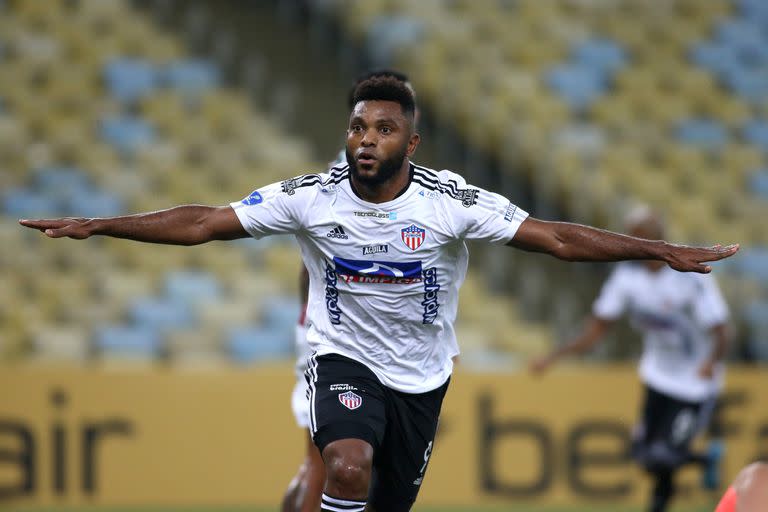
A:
(413, 236)
(350, 400)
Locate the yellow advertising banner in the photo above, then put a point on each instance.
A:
(86, 436)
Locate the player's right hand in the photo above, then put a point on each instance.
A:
(72, 227)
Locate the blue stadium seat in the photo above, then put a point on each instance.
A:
(24, 203)
(281, 312)
(758, 183)
(579, 86)
(160, 313)
(756, 132)
(756, 318)
(127, 133)
(128, 341)
(130, 79)
(191, 286)
(602, 55)
(719, 59)
(94, 203)
(751, 263)
(388, 34)
(756, 10)
(702, 132)
(191, 76)
(255, 343)
(60, 180)
(749, 84)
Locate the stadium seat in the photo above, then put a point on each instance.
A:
(192, 287)
(160, 313)
(191, 77)
(129, 342)
(579, 86)
(126, 134)
(602, 55)
(61, 343)
(756, 132)
(705, 133)
(758, 183)
(254, 344)
(129, 80)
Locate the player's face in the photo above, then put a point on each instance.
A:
(379, 140)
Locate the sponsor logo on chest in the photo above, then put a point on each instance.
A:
(375, 249)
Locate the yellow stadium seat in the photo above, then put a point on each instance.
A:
(60, 343)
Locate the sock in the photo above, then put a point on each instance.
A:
(662, 491)
(339, 505)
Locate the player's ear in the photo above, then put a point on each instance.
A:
(413, 142)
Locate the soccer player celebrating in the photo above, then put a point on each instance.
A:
(679, 315)
(383, 240)
(305, 489)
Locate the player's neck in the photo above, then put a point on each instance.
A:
(386, 191)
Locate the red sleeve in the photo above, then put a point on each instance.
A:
(728, 503)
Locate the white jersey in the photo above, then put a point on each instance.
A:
(675, 312)
(299, 402)
(384, 277)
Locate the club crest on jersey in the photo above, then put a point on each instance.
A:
(413, 236)
(350, 400)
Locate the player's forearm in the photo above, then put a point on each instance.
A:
(576, 242)
(181, 225)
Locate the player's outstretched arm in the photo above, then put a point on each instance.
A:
(181, 225)
(592, 334)
(575, 242)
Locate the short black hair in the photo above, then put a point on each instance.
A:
(385, 88)
(372, 74)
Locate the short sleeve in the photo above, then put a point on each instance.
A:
(271, 210)
(709, 306)
(612, 300)
(482, 215)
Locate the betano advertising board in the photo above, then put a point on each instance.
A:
(72, 437)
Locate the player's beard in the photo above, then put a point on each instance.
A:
(387, 168)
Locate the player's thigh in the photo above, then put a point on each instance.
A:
(401, 464)
(346, 402)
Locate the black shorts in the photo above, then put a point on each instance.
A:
(348, 401)
(668, 425)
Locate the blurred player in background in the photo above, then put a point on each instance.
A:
(305, 489)
(749, 491)
(683, 320)
(384, 241)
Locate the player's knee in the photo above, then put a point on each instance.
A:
(349, 473)
(348, 467)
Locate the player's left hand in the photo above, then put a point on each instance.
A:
(685, 258)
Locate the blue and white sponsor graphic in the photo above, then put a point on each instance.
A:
(332, 295)
(254, 198)
(369, 271)
(430, 303)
